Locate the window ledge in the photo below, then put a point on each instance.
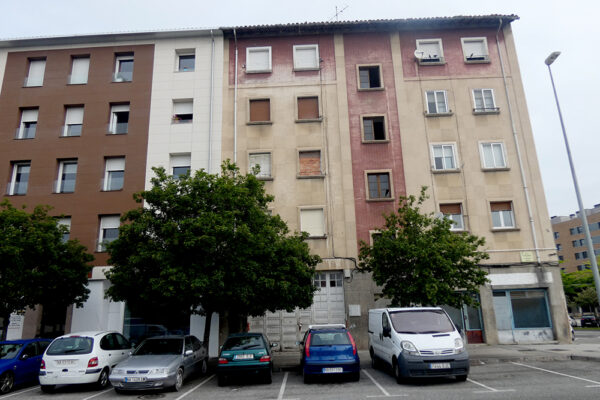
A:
(375, 89)
(445, 171)
(317, 237)
(16, 194)
(28, 86)
(376, 141)
(495, 169)
(486, 111)
(380, 200)
(306, 69)
(188, 70)
(76, 83)
(310, 176)
(261, 71)
(304, 121)
(24, 138)
(181, 122)
(115, 134)
(446, 114)
(512, 229)
(64, 192)
(482, 60)
(265, 178)
(113, 190)
(459, 230)
(259, 123)
(434, 61)
(123, 81)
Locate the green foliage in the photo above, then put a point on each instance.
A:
(587, 297)
(575, 282)
(208, 241)
(417, 260)
(36, 266)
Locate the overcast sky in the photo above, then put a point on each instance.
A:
(545, 25)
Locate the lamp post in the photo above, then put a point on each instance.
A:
(586, 229)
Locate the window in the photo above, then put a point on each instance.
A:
(73, 121)
(119, 119)
(443, 157)
(19, 178)
(109, 231)
(493, 155)
(484, 101)
(576, 231)
(186, 60)
(313, 222)
(335, 279)
(308, 108)
(374, 129)
(375, 236)
(558, 246)
(258, 59)
(578, 243)
(581, 255)
(36, 72)
(79, 70)
(561, 258)
(123, 68)
(306, 57)
(369, 77)
(67, 174)
(475, 49)
(582, 267)
(183, 111)
(309, 162)
(379, 185)
(430, 51)
(320, 280)
(556, 235)
(260, 111)
(180, 164)
(530, 309)
(28, 124)
(114, 173)
(437, 102)
(502, 215)
(454, 213)
(263, 161)
(65, 223)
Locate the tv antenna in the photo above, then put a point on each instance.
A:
(338, 12)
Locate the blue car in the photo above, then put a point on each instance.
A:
(20, 362)
(329, 350)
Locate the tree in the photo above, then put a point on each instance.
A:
(575, 282)
(36, 265)
(587, 298)
(417, 259)
(206, 243)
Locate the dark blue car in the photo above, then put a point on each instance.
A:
(20, 362)
(329, 350)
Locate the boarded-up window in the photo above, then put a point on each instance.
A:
(310, 163)
(260, 110)
(313, 222)
(308, 107)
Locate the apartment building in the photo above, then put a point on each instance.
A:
(570, 239)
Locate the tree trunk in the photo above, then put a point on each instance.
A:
(5, 323)
(207, 324)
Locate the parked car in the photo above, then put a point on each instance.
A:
(572, 322)
(83, 357)
(245, 354)
(417, 342)
(329, 350)
(20, 362)
(589, 320)
(161, 362)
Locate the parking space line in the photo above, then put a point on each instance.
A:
(558, 373)
(282, 390)
(98, 394)
(489, 389)
(385, 392)
(17, 393)
(195, 387)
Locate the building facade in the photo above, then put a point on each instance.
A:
(570, 239)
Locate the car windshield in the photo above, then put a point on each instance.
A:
(159, 347)
(244, 343)
(9, 350)
(70, 345)
(329, 339)
(421, 321)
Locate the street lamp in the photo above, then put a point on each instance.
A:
(586, 229)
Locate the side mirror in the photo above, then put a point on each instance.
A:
(24, 357)
(189, 352)
(274, 345)
(387, 332)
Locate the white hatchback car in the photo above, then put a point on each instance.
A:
(83, 357)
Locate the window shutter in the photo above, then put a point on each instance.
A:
(474, 48)
(115, 164)
(109, 222)
(312, 221)
(501, 206)
(74, 116)
(36, 72)
(306, 57)
(181, 160)
(430, 50)
(183, 107)
(260, 110)
(310, 163)
(308, 108)
(448, 209)
(258, 59)
(264, 161)
(119, 108)
(79, 72)
(29, 115)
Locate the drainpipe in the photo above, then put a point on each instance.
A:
(210, 115)
(235, 90)
(519, 158)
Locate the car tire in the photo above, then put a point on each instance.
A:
(221, 380)
(7, 381)
(47, 388)
(102, 381)
(204, 367)
(461, 378)
(119, 391)
(374, 359)
(397, 372)
(269, 376)
(178, 380)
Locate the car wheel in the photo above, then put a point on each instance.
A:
(397, 372)
(374, 359)
(47, 388)
(204, 367)
(221, 380)
(461, 378)
(178, 380)
(7, 380)
(103, 379)
(269, 376)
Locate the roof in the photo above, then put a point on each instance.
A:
(407, 24)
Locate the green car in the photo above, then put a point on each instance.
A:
(245, 354)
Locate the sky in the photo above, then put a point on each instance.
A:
(544, 26)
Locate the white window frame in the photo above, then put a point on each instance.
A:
(250, 69)
(13, 179)
(113, 164)
(495, 165)
(458, 223)
(444, 146)
(435, 95)
(184, 53)
(316, 60)
(61, 169)
(115, 108)
(71, 112)
(502, 216)
(475, 58)
(36, 72)
(263, 175)
(83, 79)
(426, 58)
(180, 160)
(66, 222)
(27, 115)
(106, 222)
(183, 107)
(118, 59)
(320, 231)
(486, 108)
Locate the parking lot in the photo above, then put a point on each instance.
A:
(505, 380)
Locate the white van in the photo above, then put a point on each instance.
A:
(417, 342)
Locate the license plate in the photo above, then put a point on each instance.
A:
(439, 366)
(243, 357)
(65, 362)
(333, 370)
(135, 379)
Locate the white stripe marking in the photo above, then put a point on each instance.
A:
(376, 383)
(195, 387)
(282, 390)
(98, 394)
(482, 385)
(557, 373)
(16, 393)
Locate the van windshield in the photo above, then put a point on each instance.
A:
(421, 321)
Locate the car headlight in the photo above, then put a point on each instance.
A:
(459, 346)
(409, 348)
(160, 371)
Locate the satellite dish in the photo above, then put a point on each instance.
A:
(419, 54)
